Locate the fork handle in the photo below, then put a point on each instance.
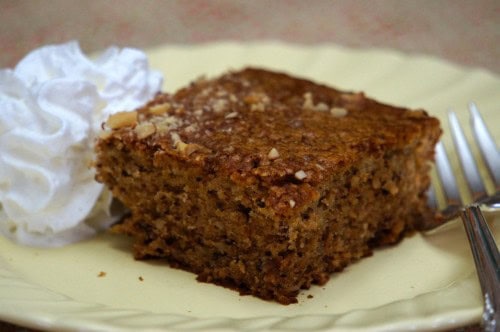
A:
(487, 259)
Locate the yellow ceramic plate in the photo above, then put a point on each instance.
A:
(427, 282)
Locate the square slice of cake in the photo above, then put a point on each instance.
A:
(264, 182)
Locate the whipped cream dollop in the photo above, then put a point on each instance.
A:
(52, 105)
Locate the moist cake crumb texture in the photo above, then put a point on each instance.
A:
(266, 183)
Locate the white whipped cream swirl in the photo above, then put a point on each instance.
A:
(51, 107)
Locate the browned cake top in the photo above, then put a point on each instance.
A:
(255, 124)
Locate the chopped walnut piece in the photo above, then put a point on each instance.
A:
(257, 97)
(309, 104)
(320, 167)
(180, 146)
(338, 112)
(273, 154)
(185, 148)
(257, 101)
(166, 123)
(231, 115)
(122, 119)
(219, 105)
(175, 138)
(144, 130)
(321, 107)
(260, 107)
(233, 98)
(188, 149)
(300, 175)
(292, 203)
(308, 101)
(159, 109)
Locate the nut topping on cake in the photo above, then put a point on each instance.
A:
(122, 119)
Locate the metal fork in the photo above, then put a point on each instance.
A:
(482, 242)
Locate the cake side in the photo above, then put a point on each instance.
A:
(267, 183)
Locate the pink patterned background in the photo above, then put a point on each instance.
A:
(466, 32)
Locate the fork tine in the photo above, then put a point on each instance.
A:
(432, 201)
(486, 144)
(446, 177)
(467, 161)
(449, 184)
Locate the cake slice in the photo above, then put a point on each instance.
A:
(267, 183)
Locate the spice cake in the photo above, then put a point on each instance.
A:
(267, 183)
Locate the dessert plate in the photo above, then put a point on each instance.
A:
(427, 282)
